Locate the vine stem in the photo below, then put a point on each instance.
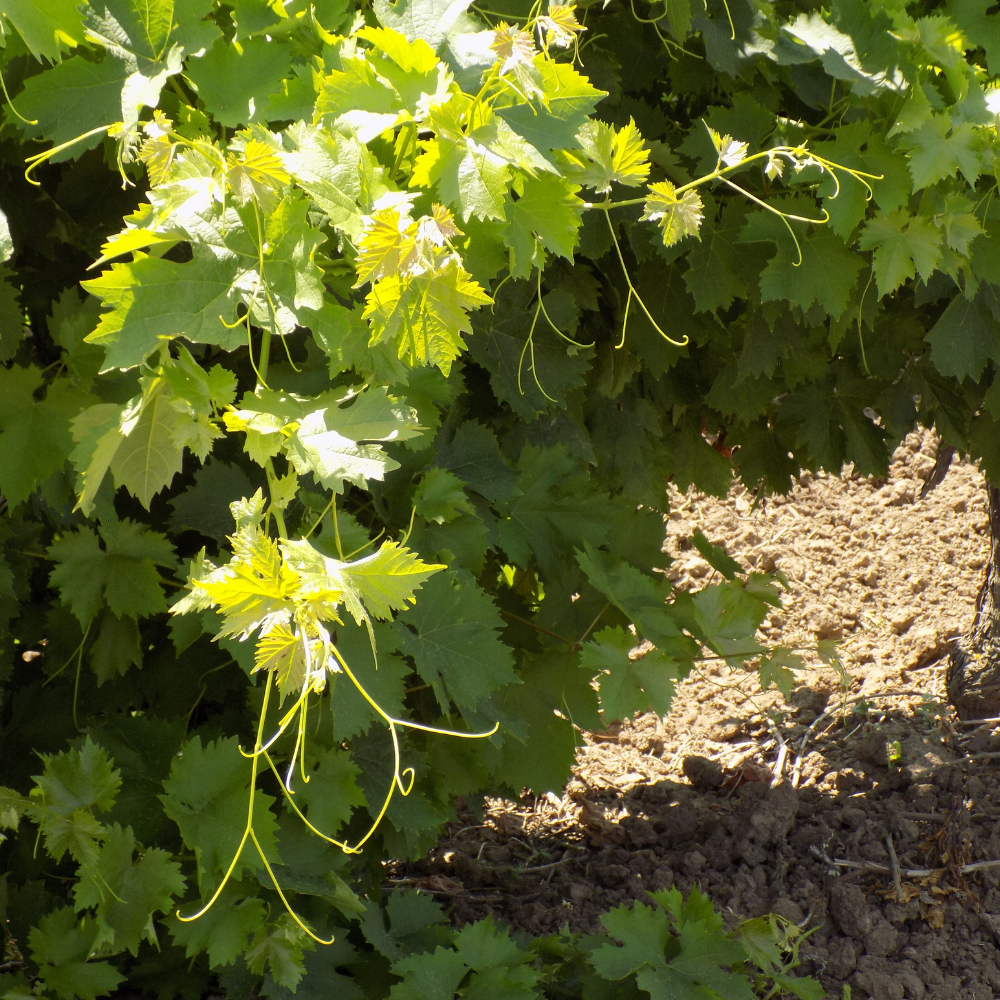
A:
(249, 834)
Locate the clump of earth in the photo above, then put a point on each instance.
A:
(860, 808)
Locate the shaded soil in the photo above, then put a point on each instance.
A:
(796, 808)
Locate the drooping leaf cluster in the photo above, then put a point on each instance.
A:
(347, 353)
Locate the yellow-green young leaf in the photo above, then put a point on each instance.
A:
(560, 25)
(259, 173)
(387, 242)
(425, 315)
(610, 156)
(410, 56)
(281, 652)
(374, 586)
(678, 217)
(355, 95)
(283, 490)
(385, 581)
(253, 590)
(730, 151)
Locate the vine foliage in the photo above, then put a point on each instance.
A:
(347, 353)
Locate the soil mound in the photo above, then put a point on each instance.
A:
(862, 808)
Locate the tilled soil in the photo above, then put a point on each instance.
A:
(861, 809)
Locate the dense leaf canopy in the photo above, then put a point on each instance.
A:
(346, 353)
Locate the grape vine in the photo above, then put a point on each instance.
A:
(355, 345)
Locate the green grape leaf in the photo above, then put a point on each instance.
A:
(11, 313)
(728, 616)
(483, 946)
(326, 440)
(13, 805)
(332, 793)
(530, 377)
(152, 299)
(204, 506)
(425, 314)
(964, 339)
(344, 337)
(207, 796)
(644, 933)
(123, 574)
(48, 27)
(695, 462)
(72, 319)
(384, 680)
(235, 83)
(548, 211)
(555, 511)
(554, 121)
(72, 98)
(60, 946)
(224, 931)
(716, 556)
(628, 686)
(714, 276)
(778, 667)
(474, 456)
(541, 753)
(703, 950)
(336, 171)
(469, 177)
(73, 784)
(375, 585)
(637, 595)
(116, 648)
(6, 243)
(826, 273)
(979, 28)
(430, 976)
(143, 748)
(440, 497)
(34, 434)
(429, 20)
(356, 97)
(939, 149)
(904, 246)
(451, 635)
(279, 948)
(125, 891)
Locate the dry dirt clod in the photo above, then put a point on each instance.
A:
(702, 772)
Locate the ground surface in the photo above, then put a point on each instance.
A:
(759, 827)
